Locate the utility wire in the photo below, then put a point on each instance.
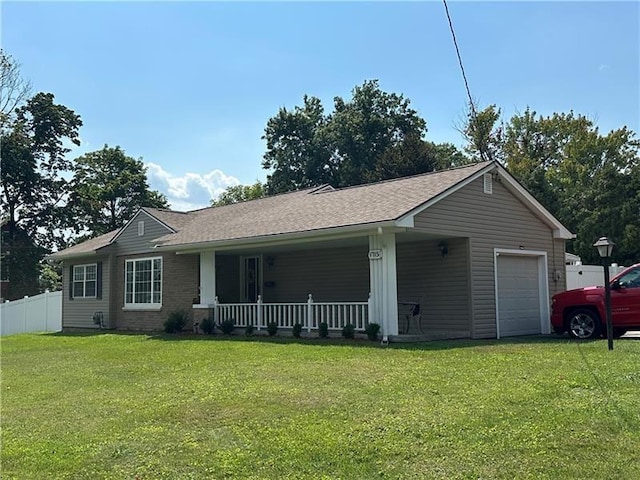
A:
(464, 76)
(455, 44)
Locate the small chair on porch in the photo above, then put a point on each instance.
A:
(412, 315)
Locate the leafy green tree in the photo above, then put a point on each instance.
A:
(483, 133)
(107, 188)
(33, 157)
(414, 156)
(374, 136)
(32, 149)
(240, 193)
(297, 153)
(367, 126)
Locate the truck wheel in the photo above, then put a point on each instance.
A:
(584, 324)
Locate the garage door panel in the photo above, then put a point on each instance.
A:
(518, 295)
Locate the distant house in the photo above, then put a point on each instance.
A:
(460, 253)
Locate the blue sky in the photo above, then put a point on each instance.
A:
(189, 87)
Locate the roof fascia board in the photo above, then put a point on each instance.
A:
(286, 238)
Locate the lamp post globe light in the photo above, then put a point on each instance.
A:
(605, 248)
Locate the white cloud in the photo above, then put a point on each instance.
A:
(191, 190)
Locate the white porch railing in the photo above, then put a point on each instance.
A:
(309, 314)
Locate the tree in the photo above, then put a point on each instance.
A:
(107, 188)
(32, 191)
(370, 124)
(14, 90)
(240, 193)
(33, 156)
(484, 133)
(297, 153)
(376, 135)
(414, 156)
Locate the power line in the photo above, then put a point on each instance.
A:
(455, 43)
(474, 116)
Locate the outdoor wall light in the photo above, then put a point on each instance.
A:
(605, 249)
(444, 248)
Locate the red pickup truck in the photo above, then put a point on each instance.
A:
(581, 312)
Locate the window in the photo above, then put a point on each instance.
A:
(143, 283)
(631, 279)
(85, 281)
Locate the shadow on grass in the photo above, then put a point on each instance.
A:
(335, 341)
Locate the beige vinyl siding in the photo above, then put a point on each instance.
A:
(439, 284)
(330, 275)
(78, 312)
(497, 220)
(129, 242)
(179, 289)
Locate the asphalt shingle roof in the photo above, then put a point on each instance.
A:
(297, 212)
(309, 210)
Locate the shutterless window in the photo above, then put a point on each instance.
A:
(85, 280)
(143, 281)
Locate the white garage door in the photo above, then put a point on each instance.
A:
(518, 295)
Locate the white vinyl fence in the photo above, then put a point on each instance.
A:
(40, 313)
(579, 276)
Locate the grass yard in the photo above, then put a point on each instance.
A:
(153, 407)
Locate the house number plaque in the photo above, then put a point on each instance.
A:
(375, 254)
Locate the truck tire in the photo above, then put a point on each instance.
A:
(584, 324)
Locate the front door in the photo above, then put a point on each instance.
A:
(250, 268)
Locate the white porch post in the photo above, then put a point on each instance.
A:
(207, 278)
(383, 283)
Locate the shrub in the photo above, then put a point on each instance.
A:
(323, 330)
(349, 331)
(372, 331)
(297, 330)
(208, 325)
(227, 326)
(176, 321)
(248, 331)
(272, 328)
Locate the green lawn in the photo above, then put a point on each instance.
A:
(143, 407)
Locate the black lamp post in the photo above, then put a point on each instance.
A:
(605, 247)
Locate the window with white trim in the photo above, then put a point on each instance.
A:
(143, 283)
(85, 280)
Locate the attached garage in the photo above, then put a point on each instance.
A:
(521, 293)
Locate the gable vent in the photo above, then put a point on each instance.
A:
(141, 228)
(488, 183)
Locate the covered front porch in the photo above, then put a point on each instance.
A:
(415, 286)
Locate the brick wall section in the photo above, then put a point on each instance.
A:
(180, 283)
